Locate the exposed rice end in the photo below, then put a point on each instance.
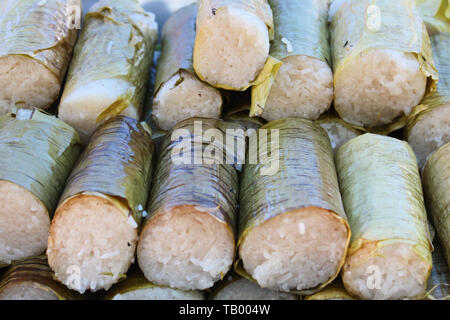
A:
(159, 293)
(185, 96)
(244, 289)
(430, 133)
(388, 272)
(185, 248)
(26, 291)
(26, 83)
(297, 250)
(231, 48)
(377, 86)
(338, 133)
(303, 89)
(24, 223)
(91, 243)
(81, 107)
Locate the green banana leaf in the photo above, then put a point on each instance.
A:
(382, 194)
(114, 45)
(39, 30)
(306, 178)
(38, 152)
(117, 165)
(436, 186)
(37, 271)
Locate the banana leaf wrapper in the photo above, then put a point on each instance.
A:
(39, 152)
(439, 9)
(439, 281)
(112, 45)
(212, 187)
(436, 186)
(136, 281)
(440, 42)
(331, 118)
(116, 165)
(300, 29)
(233, 278)
(334, 291)
(178, 39)
(382, 194)
(352, 35)
(37, 271)
(40, 31)
(306, 178)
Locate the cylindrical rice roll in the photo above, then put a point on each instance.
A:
(232, 41)
(95, 228)
(137, 287)
(109, 72)
(37, 152)
(338, 130)
(436, 186)
(293, 234)
(439, 281)
(382, 61)
(334, 291)
(32, 279)
(428, 125)
(304, 84)
(238, 288)
(187, 241)
(37, 41)
(390, 252)
(179, 93)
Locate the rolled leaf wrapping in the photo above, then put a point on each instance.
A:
(32, 279)
(293, 233)
(136, 287)
(334, 291)
(38, 39)
(38, 152)
(304, 84)
(102, 207)
(188, 239)
(382, 62)
(239, 288)
(390, 252)
(109, 72)
(428, 125)
(179, 94)
(436, 186)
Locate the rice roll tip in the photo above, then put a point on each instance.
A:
(187, 240)
(390, 252)
(109, 72)
(382, 62)
(38, 38)
(293, 234)
(95, 228)
(179, 93)
(428, 125)
(304, 84)
(38, 152)
(232, 42)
